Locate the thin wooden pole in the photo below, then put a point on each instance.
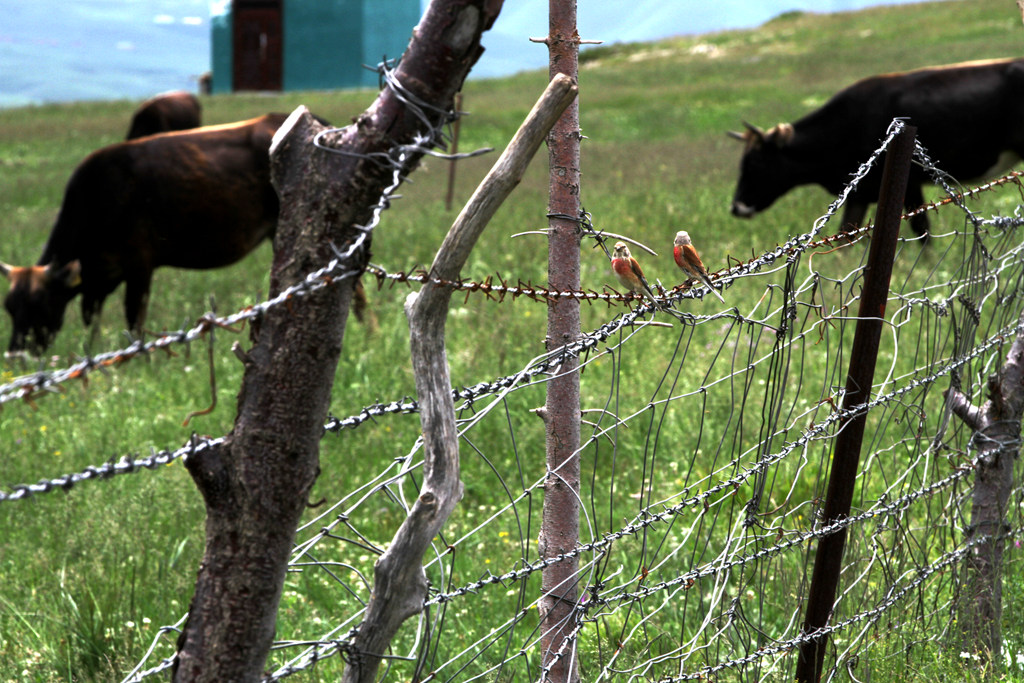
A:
(453, 151)
(560, 523)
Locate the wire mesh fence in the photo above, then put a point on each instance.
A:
(705, 456)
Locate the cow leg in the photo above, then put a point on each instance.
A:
(92, 311)
(90, 307)
(136, 301)
(94, 331)
(912, 200)
(853, 215)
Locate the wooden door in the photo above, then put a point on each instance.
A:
(257, 46)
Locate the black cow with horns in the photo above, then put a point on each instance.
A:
(969, 117)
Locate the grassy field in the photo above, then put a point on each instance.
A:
(88, 576)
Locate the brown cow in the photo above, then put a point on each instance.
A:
(191, 199)
(176, 110)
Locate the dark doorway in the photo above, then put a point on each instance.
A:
(257, 45)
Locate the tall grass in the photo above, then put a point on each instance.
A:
(88, 575)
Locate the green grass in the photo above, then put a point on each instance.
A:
(89, 575)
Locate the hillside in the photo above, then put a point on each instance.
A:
(90, 574)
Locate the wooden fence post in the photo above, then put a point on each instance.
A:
(255, 483)
(559, 533)
(456, 125)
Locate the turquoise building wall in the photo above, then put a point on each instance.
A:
(322, 43)
(220, 49)
(325, 42)
(387, 29)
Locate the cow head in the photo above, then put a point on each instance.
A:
(765, 173)
(36, 302)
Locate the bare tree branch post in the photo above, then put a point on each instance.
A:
(255, 484)
(400, 586)
(560, 522)
(996, 426)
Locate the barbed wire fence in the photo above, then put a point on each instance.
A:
(706, 450)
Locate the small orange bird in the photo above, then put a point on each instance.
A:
(630, 274)
(689, 261)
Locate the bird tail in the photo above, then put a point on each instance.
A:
(713, 290)
(648, 292)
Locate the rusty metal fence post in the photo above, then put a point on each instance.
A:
(828, 560)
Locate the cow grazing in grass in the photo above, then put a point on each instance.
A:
(192, 199)
(969, 117)
(177, 110)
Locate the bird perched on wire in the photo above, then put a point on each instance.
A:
(689, 261)
(630, 274)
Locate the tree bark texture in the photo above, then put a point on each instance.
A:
(255, 485)
(560, 517)
(997, 432)
(400, 586)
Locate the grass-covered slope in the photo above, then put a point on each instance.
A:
(88, 575)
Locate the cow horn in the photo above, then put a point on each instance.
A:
(5, 270)
(736, 135)
(754, 130)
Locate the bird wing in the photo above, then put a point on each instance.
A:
(637, 270)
